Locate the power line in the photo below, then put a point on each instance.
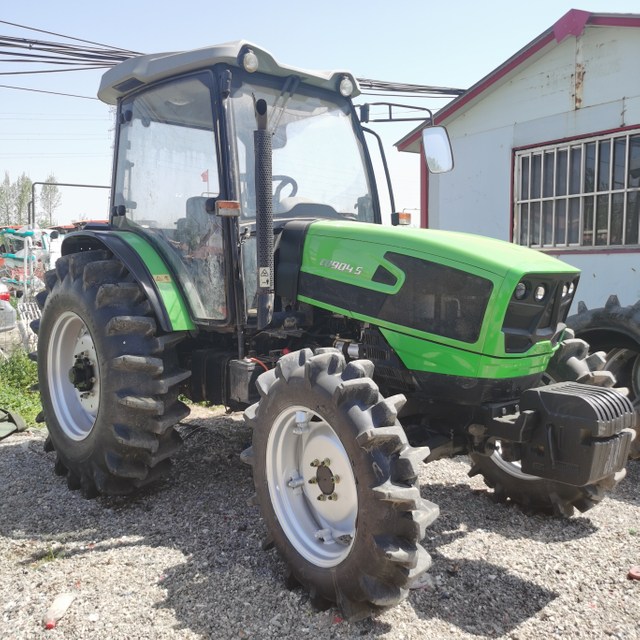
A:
(54, 93)
(82, 58)
(24, 73)
(59, 35)
(403, 87)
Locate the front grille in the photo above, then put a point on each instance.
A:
(389, 371)
(391, 377)
(528, 322)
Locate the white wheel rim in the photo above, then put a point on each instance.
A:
(75, 410)
(512, 468)
(322, 531)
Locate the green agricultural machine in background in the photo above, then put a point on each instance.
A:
(245, 264)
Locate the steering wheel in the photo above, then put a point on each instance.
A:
(284, 181)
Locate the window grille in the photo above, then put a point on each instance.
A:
(584, 193)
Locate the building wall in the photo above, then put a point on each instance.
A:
(583, 86)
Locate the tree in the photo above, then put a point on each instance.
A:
(22, 196)
(50, 199)
(6, 200)
(14, 200)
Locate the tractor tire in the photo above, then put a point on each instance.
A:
(571, 361)
(337, 483)
(615, 330)
(108, 379)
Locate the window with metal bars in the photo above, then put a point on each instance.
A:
(583, 193)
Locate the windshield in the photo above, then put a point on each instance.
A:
(318, 162)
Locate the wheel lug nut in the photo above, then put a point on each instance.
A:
(322, 497)
(335, 479)
(313, 481)
(333, 496)
(326, 462)
(315, 463)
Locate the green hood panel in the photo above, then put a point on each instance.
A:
(495, 256)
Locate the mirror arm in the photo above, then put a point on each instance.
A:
(365, 110)
(385, 165)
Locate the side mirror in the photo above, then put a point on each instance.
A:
(437, 149)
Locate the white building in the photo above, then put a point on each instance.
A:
(547, 153)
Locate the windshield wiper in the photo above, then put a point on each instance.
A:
(277, 111)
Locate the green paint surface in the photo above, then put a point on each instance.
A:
(169, 292)
(352, 252)
(488, 254)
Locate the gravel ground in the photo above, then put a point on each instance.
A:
(183, 559)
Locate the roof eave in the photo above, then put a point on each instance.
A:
(499, 76)
(572, 23)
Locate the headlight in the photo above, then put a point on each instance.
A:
(565, 290)
(540, 293)
(572, 288)
(521, 291)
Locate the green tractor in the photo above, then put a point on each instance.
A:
(245, 264)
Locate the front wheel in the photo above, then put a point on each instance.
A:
(336, 481)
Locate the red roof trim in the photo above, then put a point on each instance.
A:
(572, 23)
(581, 136)
(483, 86)
(610, 21)
(445, 113)
(588, 251)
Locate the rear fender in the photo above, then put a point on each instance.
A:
(161, 290)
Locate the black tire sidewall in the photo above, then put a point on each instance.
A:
(371, 519)
(68, 296)
(535, 492)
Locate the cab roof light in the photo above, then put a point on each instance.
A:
(250, 61)
(346, 86)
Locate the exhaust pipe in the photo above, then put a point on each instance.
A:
(264, 215)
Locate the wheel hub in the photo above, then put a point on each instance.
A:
(316, 507)
(324, 477)
(81, 373)
(73, 375)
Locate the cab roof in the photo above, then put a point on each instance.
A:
(134, 73)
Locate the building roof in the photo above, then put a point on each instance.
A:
(572, 23)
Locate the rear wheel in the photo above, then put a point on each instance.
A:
(337, 483)
(570, 362)
(108, 378)
(616, 330)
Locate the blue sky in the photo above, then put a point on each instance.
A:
(452, 43)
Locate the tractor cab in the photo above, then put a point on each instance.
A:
(185, 143)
